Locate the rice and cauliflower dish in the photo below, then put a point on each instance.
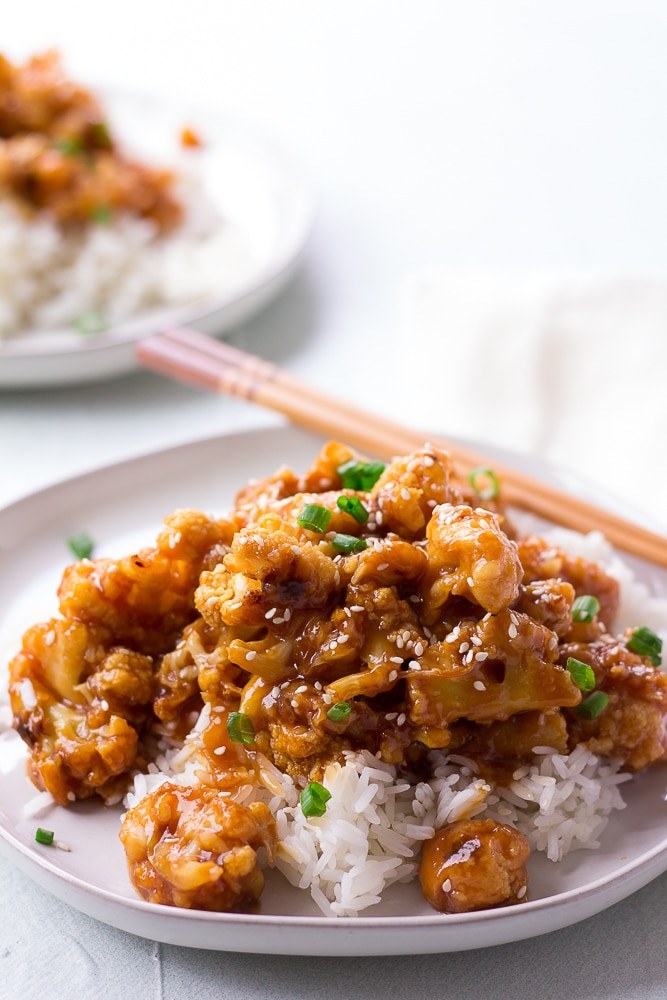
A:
(362, 675)
(90, 234)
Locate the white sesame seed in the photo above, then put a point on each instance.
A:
(383, 566)
(479, 686)
(464, 647)
(275, 691)
(251, 654)
(379, 517)
(356, 607)
(219, 751)
(405, 493)
(270, 613)
(399, 642)
(327, 698)
(470, 582)
(400, 721)
(71, 797)
(415, 665)
(419, 649)
(50, 637)
(390, 716)
(393, 675)
(428, 461)
(475, 640)
(342, 638)
(278, 621)
(287, 614)
(104, 705)
(395, 659)
(522, 892)
(482, 655)
(512, 631)
(294, 703)
(301, 689)
(447, 885)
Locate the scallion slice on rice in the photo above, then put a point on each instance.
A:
(313, 799)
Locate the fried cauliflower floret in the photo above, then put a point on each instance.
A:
(79, 708)
(633, 726)
(269, 567)
(543, 561)
(195, 848)
(474, 864)
(146, 599)
(409, 488)
(548, 602)
(468, 556)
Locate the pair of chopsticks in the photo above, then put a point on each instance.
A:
(189, 356)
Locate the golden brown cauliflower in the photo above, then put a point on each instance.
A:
(197, 848)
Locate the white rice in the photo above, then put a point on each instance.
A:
(53, 280)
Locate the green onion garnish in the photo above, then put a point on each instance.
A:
(81, 545)
(485, 483)
(582, 674)
(92, 321)
(348, 543)
(339, 711)
(68, 145)
(314, 799)
(353, 506)
(101, 133)
(101, 213)
(646, 643)
(315, 518)
(585, 608)
(240, 728)
(360, 476)
(591, 707)
(44, 836)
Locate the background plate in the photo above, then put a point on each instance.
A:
(122, 507)
(267, 200)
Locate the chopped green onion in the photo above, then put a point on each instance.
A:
(348, 543)
(481, 476)
(585, 608)
(68, 145)
(353, 506)
(44, 836)
(646, 643)
(101, 133)
(582, 674)
(101, 213)
(92, 321)
(592, 706)
(240, 728)
(360, 475)
(315, 518)
(81, 545)
(314, 799)
(339, 711)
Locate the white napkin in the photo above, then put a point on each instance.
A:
(567, 367)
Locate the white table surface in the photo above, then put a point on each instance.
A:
(439, 134)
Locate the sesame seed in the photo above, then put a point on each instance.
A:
(270, 613)
(294, 703)
(419, 649)
(379, 517)
(399, 641)
(287, 614)
(475, 640)
(400, 721)
(50, 637)
(390, 716)
(104, 705)
(251, 654)
(395, 659)
(275, 691)
(479, 686)
(278, 621)
(464, 647)
(383, 566)
(447, 885)
(393, 675)
(71, 797)
(470, 582)
(327, 698)
(342, 638)
(428, 461)
(415, 665)
(296, 549)
(512, 631)
(482, 655)
(522, 892)
(219, 751)
(301, 689)
(414, 598)
(356, 607)
(347, 612)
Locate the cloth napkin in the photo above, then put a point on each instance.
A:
(568, 367)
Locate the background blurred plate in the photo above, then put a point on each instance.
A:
(259, 190)
(122, 506)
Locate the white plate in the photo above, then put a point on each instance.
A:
(122, 507)
(267, 201)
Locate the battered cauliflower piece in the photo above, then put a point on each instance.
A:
(468, 556)
(409, 488)
(196, 848)
(269, 567)
(474, 864)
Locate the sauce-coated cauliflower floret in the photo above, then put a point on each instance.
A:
(468, 556)
(269, 567)
(196, 848)
(474, 864)
(409, 489)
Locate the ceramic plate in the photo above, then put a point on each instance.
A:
(122, 507)
(268, 205)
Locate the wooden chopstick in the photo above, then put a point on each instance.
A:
(189, 356)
